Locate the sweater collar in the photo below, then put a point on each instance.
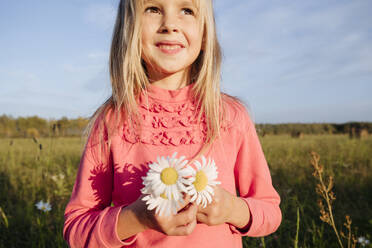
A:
(165, 95)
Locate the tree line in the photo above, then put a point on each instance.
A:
(34, 126)
(313, 128)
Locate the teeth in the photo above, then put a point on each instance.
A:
(170, 47)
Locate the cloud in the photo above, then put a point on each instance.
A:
(288, 59)
(285, 53)
(295, 38)
(101, 15)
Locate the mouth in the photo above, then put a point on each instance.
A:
(169, 47)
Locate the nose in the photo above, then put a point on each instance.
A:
(169, 24)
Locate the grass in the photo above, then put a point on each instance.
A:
(45, 169)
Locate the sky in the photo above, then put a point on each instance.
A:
(289, 61)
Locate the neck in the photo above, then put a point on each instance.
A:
(171, 81)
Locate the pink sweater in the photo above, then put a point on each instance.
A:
(102, 189)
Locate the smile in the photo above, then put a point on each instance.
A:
(169, 47)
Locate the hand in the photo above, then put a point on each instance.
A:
(181, 224)
(225, 208)
(219, 210)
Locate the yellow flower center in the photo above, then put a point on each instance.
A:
(201, 181)
(169, 176)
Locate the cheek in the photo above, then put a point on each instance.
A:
(146, 42)
(147, 31)
(144, 35)
(195, 37)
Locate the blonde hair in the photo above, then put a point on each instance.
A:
(129, 79)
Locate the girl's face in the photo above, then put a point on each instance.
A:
(171, 36)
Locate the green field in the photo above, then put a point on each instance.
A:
(45, 169)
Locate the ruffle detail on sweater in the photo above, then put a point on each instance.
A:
(167, 124)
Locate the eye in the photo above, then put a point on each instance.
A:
(152, 10)
(188, 11)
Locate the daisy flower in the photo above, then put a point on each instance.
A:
(363, 241)
(43, 206)
(167, 177)
(202, 181)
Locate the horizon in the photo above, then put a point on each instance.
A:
(259, 123)
(290, 62)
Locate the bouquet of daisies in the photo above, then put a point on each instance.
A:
(168, 179)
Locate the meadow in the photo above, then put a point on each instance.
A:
(44, 169)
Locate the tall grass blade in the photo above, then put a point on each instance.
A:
(298, 228)
(4, 218)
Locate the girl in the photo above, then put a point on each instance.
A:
(165, 74)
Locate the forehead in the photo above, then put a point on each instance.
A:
(194, 2)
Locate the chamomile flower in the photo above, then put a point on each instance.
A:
(43, 206)
(202, 181)
(363, 241)
(167, 176)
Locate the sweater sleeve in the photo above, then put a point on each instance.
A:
(253, 181)
(90, 220)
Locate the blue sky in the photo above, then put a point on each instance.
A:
(290, 61)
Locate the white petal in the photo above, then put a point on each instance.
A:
(181, 187)
(162, 209)
(204, 199)
(159, 190)
(174, 155)
(208, 196)
(155, 168)
(165, 161)
(146, 198)
(204, 160)
(193, 198)
(193, 191)
(198, 199)
(184, 172)
(209, 189)
(187, 182)
(198, 165)
(175, 193)
(168, 211)
(157, 211)
(166, 192)
(153, 205)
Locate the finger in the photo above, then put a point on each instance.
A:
(204, 210)
(187, 216)
(185, 229)
(201, 217)
(185, 201)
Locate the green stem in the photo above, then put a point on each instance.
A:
(263, 242)
(298, 228)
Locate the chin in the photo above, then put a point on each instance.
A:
(169, 70)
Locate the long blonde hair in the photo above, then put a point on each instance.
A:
(129, 79)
